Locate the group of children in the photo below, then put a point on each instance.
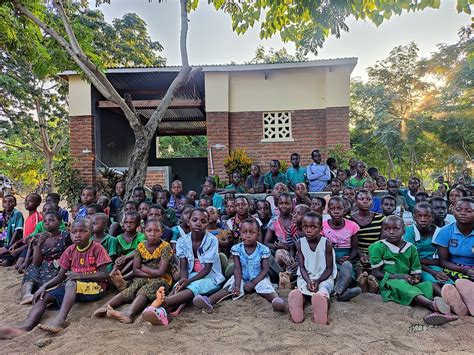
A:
(177, 249)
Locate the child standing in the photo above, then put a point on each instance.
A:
(396, 265)
(250, 271)
(176, 194)
(295, 174)
(318, 173)
(82, 276)
(151, 271)
(316, 272)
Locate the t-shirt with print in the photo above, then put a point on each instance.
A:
(340, 238)
(460, 246)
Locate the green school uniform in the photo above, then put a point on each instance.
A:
(237, 189)
(15, 222)
(394, 260)
(171, 214)
(40, 227)
(356, 183)
(110, 245)
(270, 181)
(124, 248)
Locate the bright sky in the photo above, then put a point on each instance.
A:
(211, 40)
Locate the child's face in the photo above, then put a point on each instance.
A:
(284, 205)
(277, 190)
(463, 213)
(129, 207)
(316, 156)
(295, 160)
(153, 232)
(369, 185)
(213, 215)
(316, 205)
(413, 185)
(143, 210)
(87, 196)
(361, 169)
(274, 167)
(138, 196)
(176, 188)
(90, 212)
(203, 203)
(347, 207)
(8, 203)
(440, 210)
(301, 189)
(229, 196)
(185, 215)
(341, 176)
(388, 207)
(454, 196)
(263, 211)
(74, 211)
(120, 188)
(192, 194)
(335, 187)
(49, 207)
(31, 203)
(392, 188)
(50, 199)
(349, 194)
(51, 223)
(423, 218)
(352, 162)
(392, 231)
(208, 188)
(98, 224)
(249, 234)
(103, 201)
(254, 170)
(364, 201)
(130, 224)
(336, 210)
(155, 213)
(241, 207)
(381, 183)
(236, 178)
(162, 198)
(311, 227)
(198, 222)
(297, 215)
(230, 209)
(81, 233)
(420, 198)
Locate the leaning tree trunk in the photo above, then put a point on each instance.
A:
(138, 162)
(49, 165)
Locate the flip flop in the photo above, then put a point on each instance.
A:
(453, 298)
(441, 306)
(295, 306)
(178, 310)
(344, 278)
(438, 318)
(155, 316)
(203, 302)
(349, 294)
(466, 289)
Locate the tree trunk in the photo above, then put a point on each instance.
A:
(49, 165)
(138, 163)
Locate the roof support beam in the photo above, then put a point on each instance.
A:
(176, 103)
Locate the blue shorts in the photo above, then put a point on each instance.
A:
(203, 286)
(85, 292)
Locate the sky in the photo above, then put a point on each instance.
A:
(212, 41)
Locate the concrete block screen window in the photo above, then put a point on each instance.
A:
(277, 127)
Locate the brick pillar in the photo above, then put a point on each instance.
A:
(82, 142)
(217, 133)
(337, 127)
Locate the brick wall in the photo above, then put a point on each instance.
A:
(82, 142)
(217, 133)
(158, 175)
(337, 127)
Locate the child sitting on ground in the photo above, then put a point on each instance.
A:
(82, 276)
(116, 201)
(342, 233)
(116, 227)
(88, 196)
(302, 196)
(163, 198)
(47, 248)
(182, 228)
(235, 185)
(316, 272)
(371, 186)
(151, 271)
(263, 216)
(176, 194)
(103, 201)
(94, 208)
(250, 271)
(126, 248)
(157, 211)
(229, 211)
(200, 266)
(274, 197)
(143, 210)
(335, 188)
(396, 265)
(99, 228)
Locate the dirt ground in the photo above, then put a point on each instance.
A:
(365, 324)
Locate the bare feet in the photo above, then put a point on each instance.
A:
(160, 297)
(320, 309)
(296, 306)
(363, 281)
(284, 282)
(373, 284)
(52, 327)
(121, 317)
(26, 299)
(12, 332)
(101, 312)
(118, 280)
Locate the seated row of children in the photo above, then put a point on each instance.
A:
(297, 244)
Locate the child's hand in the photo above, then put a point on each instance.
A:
(440, 276)
(22, 268)
(236, 291)
(42, 238)
(249, 286)
(416, 279)
(342, 259)
(120, 260)
(182, 284)
(15, 252)
(73, 276)
(39, 294)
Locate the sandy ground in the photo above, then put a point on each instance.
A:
(366, 324)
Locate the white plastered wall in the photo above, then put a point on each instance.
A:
(79, 96)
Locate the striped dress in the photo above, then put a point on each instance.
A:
(369, 233)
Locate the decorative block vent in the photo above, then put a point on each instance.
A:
(277, 127)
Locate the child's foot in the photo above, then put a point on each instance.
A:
(278, 304)
(296, 306)
(160, 297)
(363, 281)
(466, 290)
(349, 294)
(12, 332)
(320, 309)
(155, 316)
(52, 327)
(285, 282)
(177, 311)
(202, 302)
(440, 306)
(26, 299)
(438, 318)
(101, 312)
(373, 284)
(344, 278)
(121, 317)
(118, 280)
(453, 298)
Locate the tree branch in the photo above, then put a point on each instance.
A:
(18, 147)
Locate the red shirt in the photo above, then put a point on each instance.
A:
(30, 224)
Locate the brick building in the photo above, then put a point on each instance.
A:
(271, 110)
